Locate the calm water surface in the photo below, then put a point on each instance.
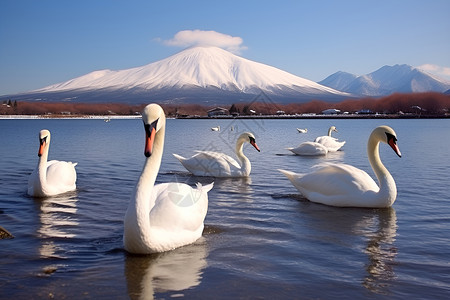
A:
(262, 240)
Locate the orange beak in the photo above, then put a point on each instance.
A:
(150, 133)
(42, 143)
(253, 143)
(394, 147)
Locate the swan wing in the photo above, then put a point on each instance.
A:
(209, 163)
(61, 174)
(220, 156)
(331, 143)
(61, 177)
(336, 185)
(309, 148)
(179, 211)
(342, 179)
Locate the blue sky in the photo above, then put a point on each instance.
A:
(51, 41)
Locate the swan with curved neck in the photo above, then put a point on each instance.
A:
(331, 129)
(331, 143)
(346, 186)
(216, 164)
(51, 177)
(165, 216)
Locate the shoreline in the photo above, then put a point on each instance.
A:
(127, 117)
(60, 117)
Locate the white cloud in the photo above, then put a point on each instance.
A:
(187, 38)
(441, 72)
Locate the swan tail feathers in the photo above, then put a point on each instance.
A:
(179, 157)
(290, 175)
(287, 173)
(205, 188)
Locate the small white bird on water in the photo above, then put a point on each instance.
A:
(331, 143)
(51, 177)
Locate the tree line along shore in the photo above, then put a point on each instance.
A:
(396, 105)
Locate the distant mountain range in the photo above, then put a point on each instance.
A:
(211, 75)
(385, 81)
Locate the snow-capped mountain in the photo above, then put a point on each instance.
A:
(339, 80)
(385, 81)
(197, 74)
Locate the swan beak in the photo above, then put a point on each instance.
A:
(394, 146)
(150, 133)
(253, 143)
(42, 143)
(150, 138)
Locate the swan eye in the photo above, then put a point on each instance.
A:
(391, 137)
(154, 124)
(252, 140)
(43, 140)
(149, 127)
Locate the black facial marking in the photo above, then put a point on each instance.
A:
(390, 136)
(43, 140)
(149, 127)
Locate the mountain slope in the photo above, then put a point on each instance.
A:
(385, 81)
(195, 74)
(339, 80)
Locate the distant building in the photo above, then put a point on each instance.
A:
(364, 112)
(218, 111)
(331, 111)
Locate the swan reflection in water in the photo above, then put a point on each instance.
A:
(171, 271)
(379, 228)
(368, 231)
(58, 215)
(382, 252)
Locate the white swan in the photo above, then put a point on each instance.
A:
(300, 130)
(344, 185)
(215, 128)
(330, 142)
(51, 177)
(164, 216)
(309, 149)
(209, 163)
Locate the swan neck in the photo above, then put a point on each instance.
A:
(385, 179)
(140, 203)
(42, 166)
(152, 165)
(245, 162)
(329, 131)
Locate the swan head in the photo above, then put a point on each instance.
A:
(44, 141)
(154, 119)
(249, 138)
(333, 128)
(388, 136)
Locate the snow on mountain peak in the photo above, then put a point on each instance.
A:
(199, 66)
(386, 80)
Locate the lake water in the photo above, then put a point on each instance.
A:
(262, 240)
